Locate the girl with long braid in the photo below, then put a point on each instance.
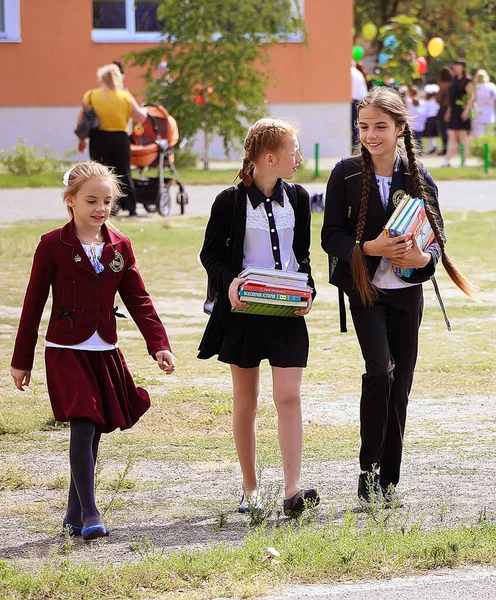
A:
(262, 222)
(362, 193)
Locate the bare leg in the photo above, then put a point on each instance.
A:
(246, 389)
(287, 398)
(452, 145)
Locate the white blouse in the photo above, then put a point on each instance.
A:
(257, 249)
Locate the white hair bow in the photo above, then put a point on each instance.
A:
(65, 178)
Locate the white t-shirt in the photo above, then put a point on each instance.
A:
(485, 97)
(358, 84)
(431, 108)
(417, 114)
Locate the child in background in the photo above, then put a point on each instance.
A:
(86, 263)
(262, 222)
(415, 106)
(431, 110)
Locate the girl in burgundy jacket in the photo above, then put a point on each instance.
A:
(86, 263)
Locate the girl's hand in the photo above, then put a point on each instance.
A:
(166, 361)
(233, 293)
(465, 115)
(305, 311)
(82, 145)
(416, 259)
(392, 248)
(20, 377)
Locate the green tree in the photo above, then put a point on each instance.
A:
(216, 62)
(468, 27)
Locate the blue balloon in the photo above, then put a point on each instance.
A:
(390, 42)
(383, 58)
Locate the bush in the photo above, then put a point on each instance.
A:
(478, 146)
(28, 160)
(185, 158)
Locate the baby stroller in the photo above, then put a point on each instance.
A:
(152, 145)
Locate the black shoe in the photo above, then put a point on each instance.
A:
(369, 488)
(391, 497)
(441, 153)
(432, 151)
(293, 507)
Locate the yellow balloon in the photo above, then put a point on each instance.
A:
(369, 31)
(435, 47)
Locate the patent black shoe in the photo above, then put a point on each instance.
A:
(294, 506)
(369, 488)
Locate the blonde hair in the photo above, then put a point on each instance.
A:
(481, 76)
(84, 171)
(111, 76)
(266, 135)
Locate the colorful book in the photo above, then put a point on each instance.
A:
(297, 304)
(274, 289)
(273, 310)
(397, 211)
(248, 294)
(401, 225)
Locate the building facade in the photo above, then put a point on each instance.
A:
(50, 51)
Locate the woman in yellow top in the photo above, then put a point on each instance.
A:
(109, 144)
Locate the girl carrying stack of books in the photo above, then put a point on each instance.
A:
(262, 222)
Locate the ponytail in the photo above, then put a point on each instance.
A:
(245, 172)
(434, 218)
(359, 271)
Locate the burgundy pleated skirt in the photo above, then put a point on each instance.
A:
(94, 385)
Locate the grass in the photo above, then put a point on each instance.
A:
(226, 177)
(307, 553)
(189, 424)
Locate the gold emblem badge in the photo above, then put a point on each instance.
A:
(397, 196)
(118, 263)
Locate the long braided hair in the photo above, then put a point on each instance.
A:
(390, 102)
(266, 135)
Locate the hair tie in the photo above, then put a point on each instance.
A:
(357, 241)
(65, 178)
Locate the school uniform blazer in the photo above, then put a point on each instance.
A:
(341, 216)
(222, 254)
(82, 301)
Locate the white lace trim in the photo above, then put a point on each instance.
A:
(283, 215)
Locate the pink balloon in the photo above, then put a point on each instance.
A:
(421, 65)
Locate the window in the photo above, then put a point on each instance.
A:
(10, 21)
(125, 20)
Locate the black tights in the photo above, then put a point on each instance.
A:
(83, 451)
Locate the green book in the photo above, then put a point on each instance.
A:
(273, 310)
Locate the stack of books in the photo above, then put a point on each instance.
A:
(273, 292)
(410, 217)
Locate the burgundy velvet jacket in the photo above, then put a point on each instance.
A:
(83, 302)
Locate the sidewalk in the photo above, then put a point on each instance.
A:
(32, 204)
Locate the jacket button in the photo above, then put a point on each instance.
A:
(96, 281)
(97, 314)
(96, 297)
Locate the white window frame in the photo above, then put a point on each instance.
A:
(116, 36)
(129, 34)
(12, 19)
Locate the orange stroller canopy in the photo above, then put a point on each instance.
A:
(145, 140)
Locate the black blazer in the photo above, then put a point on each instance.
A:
(340, 219)
(222, 254)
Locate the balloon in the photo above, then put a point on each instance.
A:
(369, 31)
(357, 52)
(383, 58)
(390, 42)
(421, 65)
(435, 46)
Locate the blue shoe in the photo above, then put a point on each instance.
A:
(74, 530)
(95, 531)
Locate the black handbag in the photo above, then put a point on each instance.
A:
(90, 121)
